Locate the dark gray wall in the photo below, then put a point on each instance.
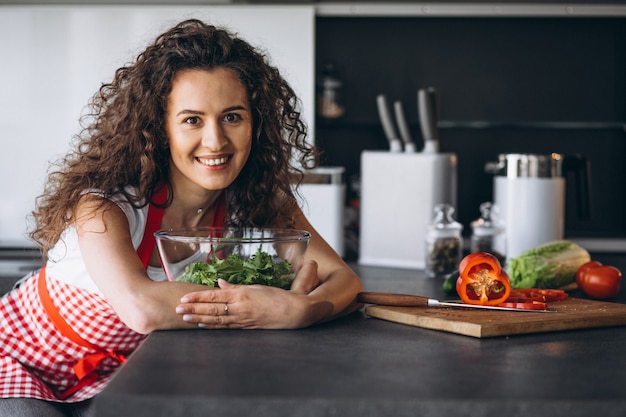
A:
(524, 76)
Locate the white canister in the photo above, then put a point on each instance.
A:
(531, 210)
(322, 197)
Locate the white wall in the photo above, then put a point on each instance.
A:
(54, 58)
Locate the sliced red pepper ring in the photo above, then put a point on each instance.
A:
(538, 294)
(527, 305)
(482, 280)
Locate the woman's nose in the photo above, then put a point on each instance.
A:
(213, 136)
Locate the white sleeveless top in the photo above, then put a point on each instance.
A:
(65, 261)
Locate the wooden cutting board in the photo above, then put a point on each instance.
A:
(573, 313)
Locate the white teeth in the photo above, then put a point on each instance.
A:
(213, 162)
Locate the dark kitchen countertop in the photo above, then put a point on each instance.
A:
(358, 366)
(16, 261)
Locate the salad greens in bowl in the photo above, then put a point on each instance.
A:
(203, 255)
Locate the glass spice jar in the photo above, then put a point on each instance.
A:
(485, 231)
(444, 243)
(330, 94)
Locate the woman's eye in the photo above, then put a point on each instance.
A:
(193, 120)
(232, 118)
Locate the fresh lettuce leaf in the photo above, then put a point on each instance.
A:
(551, 265)
(259, 269)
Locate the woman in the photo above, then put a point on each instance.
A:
(199, 131)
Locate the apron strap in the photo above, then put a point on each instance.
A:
(219, 215)
(155, 216)
(86, 366)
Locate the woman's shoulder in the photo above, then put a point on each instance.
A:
(131, 204)
(128, 199)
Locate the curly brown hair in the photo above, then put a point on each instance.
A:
(123, 142)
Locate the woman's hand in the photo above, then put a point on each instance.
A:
(257, 306)
(306, 280)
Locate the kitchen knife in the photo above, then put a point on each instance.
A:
(403, 127)
(427, 110)
(395, 144)
(406, 300)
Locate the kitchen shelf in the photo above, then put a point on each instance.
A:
(459, 9)
(484, 124)
(481, 124)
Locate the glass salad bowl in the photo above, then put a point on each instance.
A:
(203, 255)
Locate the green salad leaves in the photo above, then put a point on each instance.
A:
(259, 269)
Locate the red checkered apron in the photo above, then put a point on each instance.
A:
(62, 343)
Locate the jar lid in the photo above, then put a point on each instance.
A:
(443, 224)
(485, 225)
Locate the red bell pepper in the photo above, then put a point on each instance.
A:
(482, 280)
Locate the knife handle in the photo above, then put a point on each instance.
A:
(390, 299)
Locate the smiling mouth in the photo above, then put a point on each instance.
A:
(213, 161)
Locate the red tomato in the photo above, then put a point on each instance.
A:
(601, 282)
(584, 268)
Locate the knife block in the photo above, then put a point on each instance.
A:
(399, 192)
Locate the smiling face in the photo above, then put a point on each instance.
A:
(209, 127)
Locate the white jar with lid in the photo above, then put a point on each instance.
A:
(444, 243)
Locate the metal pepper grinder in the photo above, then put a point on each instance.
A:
(444, 242)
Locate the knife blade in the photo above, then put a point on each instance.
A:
(395, 144)
(408, 300)
(403, 127)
